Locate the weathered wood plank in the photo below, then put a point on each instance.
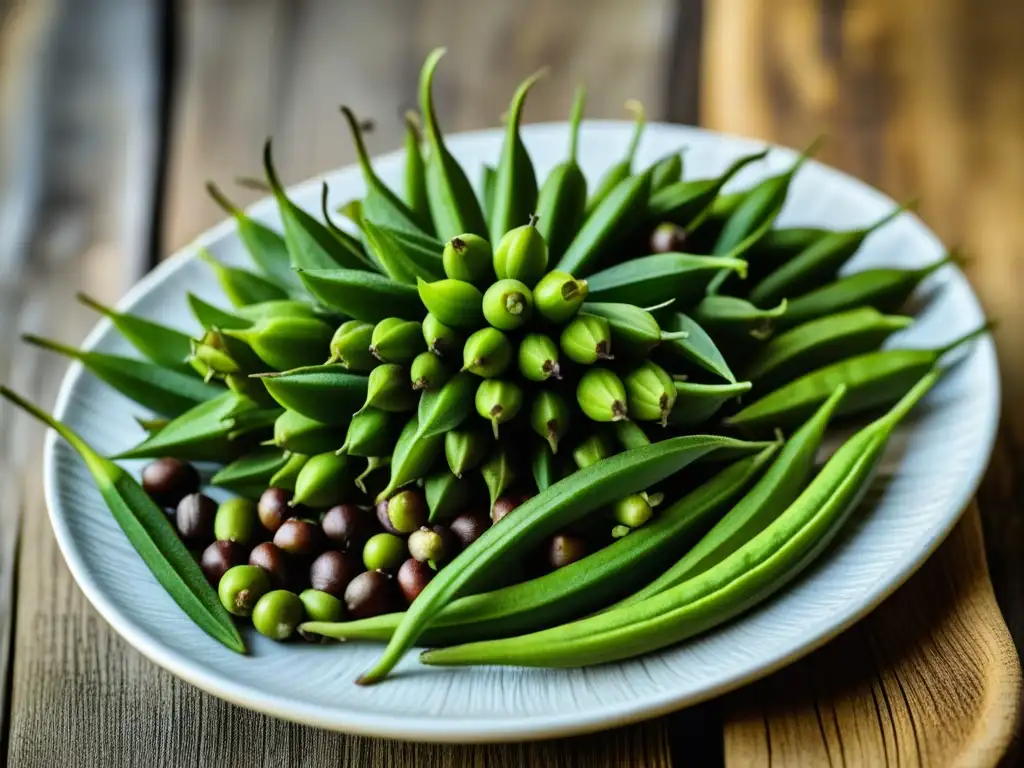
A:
(920, 99)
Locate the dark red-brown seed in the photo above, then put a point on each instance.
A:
(667, 238)
(468, 527)
(565, 549)
(273, 508)
(371, 593)
(272, 560)
(504, 505)
(299, 537)
(169, 480)
(413, 577)
(384, 519)
(219, 557)
(194, 518)
(348, 526)
(332, 572)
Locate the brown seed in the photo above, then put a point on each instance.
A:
(273, 508)
(194, 518)
(504, 505)
(565, 549)
(272, 560)
(219, 557)
(667, 238)
(348, 526)
(468, 527)
(413, 577)
(332, 572)
(371, 593)
(298, 537)
(169, 480)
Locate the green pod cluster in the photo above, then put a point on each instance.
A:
(447, 495)
(251, 474)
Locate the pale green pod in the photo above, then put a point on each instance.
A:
(487, 353)
(498, 401)
(651, 393)
(602, 396)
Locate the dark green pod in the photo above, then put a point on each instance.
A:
(395, 340)
(323, 481)
(778, 246)
(284, 343)
(241, 286)
(388, 389)
(469, 258)
(498, 401)
(401, 260)
(538, 358)
(587, 339)
(661, 277)
(414, 457)
(736, 318)
(601, 396)
(697, 403)
(667, 171)
(487, 353)
(428, 372)
(370, 433)
(549, 417)
(453, 205)
(651, 393)
(465, 449)
(361, 295)
(286, 476)
(300, 434)
(521, 254)
(164, 346)
(250, 475)
(444, 409)
(696, 346)
(515, 182)
(488, 175)
(542, 465)
(415, 176)
(350, 346)
(621, 170)
(327, 393)
(199, 434)
(508, 304)
(440, 339)
(499, 473)
(453, 302)
(562, 200)
(447, 496)
(684, 202)
(558, 296)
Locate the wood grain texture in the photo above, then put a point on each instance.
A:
(919, 99)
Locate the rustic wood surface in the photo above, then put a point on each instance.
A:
(919, 98)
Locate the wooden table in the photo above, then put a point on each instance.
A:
(113, 113)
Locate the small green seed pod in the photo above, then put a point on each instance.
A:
(453, 302)
(633, 510)
(350, 346)
(465, 449)
(388, 389)
(499, 473)
(395, 340)
(538, 358)
(558, 296)
(651, 393)
(487, 353)
(592, 450)
(549, 417)
(441, 340)
(286, 476)
(602, 395)
(587, 339)
(468, 258)
(301, 434)
(370, 433)
(284, 343)
(522, 254)
(508, 304)
(322, 481)
(428, 372)
(498, 402)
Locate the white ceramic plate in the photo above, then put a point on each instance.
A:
(935, 462)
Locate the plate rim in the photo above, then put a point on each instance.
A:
(484, 729)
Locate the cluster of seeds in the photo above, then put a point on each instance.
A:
(536, 357)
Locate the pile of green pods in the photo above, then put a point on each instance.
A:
(648, 359)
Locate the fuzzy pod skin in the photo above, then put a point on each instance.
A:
(388, 389)
(558, 296)
(538, 358)
(370, 433)
(301, 434)
(549, 417)
(428, 372)
(487, 353)
(498, 401)
(322, 482)
(651, 393)
(508, 304)
(587, 339)
(602, 396)
(350, 346)
(469, 258)
(453, 302)
(440, 339)
(395, 340)
(465, 449)
(522, 254)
